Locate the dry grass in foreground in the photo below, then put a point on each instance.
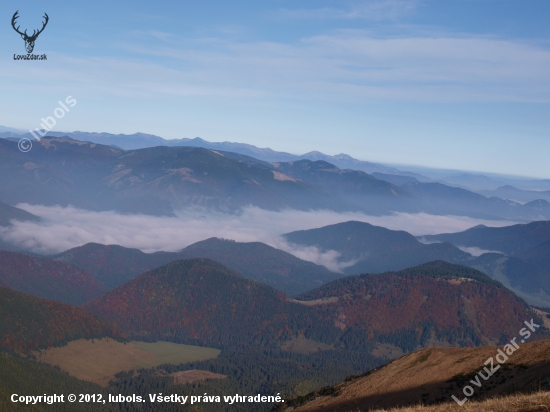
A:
(539, 401)
(431, 376)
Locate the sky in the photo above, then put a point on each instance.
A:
(461, 84)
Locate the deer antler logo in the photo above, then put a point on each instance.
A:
(29, 40)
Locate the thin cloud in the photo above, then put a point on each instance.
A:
(63, 228)
(372, 10)
(346, 65)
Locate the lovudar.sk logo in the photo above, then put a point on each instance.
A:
(29, 40)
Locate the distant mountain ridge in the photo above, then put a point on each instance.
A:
(143, 141)
(9, 213)
(467, 180)
(159, 180)
(374, 249)
(263, 263)
(114, 265)
(512, 193)
(508, 239)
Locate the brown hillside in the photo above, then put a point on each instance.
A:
(432, 376)
(535, 402)
(200, 301)
(48, 279)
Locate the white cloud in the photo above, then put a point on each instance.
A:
(63, 228)
(476, 251)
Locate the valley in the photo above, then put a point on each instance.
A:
(277, 206)
(349, 302)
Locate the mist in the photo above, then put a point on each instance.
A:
(476, 251)
(64, 228)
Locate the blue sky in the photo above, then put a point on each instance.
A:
(461, 84)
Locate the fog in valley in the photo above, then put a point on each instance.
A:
(62, 228)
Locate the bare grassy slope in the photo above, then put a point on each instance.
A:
(433, 375)
(536, 402)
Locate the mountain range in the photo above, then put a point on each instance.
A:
(160, 180)
(360, 248)
(515, 194)
(508, 240)
(520, 263)
(144, 141)
(365, 248)
(114, 265)
(200, 301)
(350, 324)
(282, 324)
(465, 180)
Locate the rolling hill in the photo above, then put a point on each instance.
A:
(426, 305)
(519, 259)
(48, 279)
(114, 265)
(258, 261)
(508, 240)
(28, 323)
(198, 300)
(201, 301)
(365, 248)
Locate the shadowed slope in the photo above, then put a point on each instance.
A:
(432, 375)
(374, 249)
(201, 301)
(508, 240)
(8, 213)
(29, 323)
(48, 279)
(114, 265)
(263, 263)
